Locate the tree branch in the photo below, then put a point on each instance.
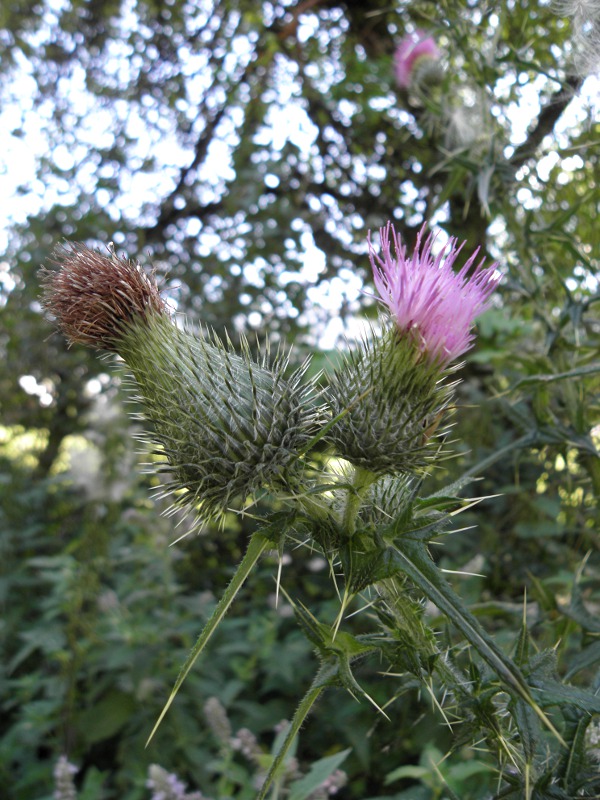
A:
(549, 116)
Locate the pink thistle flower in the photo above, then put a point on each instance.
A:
(428, 300)
(412, 49)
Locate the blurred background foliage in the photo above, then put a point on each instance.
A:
(244, 149)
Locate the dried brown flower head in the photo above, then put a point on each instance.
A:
(94, 297)
(227, 424)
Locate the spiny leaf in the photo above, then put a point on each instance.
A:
(529, 727)
(412, 558)
(577, 756)
(588, 657)
(577, 611)
(551, 692)
(257, 546)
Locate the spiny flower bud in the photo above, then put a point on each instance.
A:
(227, 424)
(389, 498)
(390, 392)
(416, 61)
(391, 402)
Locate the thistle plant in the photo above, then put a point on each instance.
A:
(229, 424)
(225, 424)
(400, 375)
(416, 61)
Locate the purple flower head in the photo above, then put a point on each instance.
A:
(411, 49)
(428, 300)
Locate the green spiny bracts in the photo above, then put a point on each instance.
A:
(226, 424)
(390, 498)
(391, 400)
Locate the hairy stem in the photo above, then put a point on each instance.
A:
(302, 712)
(363, 479)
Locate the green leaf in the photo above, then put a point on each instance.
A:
(414, 793)
(590, 369)
(258, 544)
(93, 784)
(555, 693)
(106, 718)
(318, 774)
(408, 771)
(414, 560)
(589, 657)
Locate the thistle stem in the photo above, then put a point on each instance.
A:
(363, 478)
(302, 712)
(315, 508)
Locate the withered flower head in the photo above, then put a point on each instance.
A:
(94, 297)
(226, 424)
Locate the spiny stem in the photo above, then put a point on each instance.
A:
(302, 712)
(363, 479)
(519, 444)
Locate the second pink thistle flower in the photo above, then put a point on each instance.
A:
(414, 50)
(427, 298)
